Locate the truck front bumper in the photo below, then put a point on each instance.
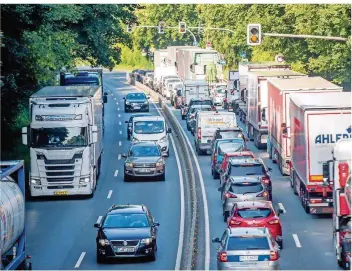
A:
(60, 190)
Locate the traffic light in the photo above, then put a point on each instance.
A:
(129, 28)
(182, 27)
(254, 34)
(161, 28)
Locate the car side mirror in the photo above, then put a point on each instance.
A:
(124, 155)
(219, 189)
(124, 98)
(280, 211)
(169, 130)
(215, 240)
(96, 225)
(156, 224)
(126, 121)
(148, 97)
(270, 169)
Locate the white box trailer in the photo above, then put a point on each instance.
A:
(65, 140)
(257, 121)
(318, 121)
(160, 67)
(195, 89)
(172, 52)
(279, 91)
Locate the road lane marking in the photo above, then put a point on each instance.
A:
(110, 193)
(120, 143)
(116, 172)
(119, 157)
(295, 238)
(118, 109)
(99, 219)
(281, 206)
(115, 98)
(120, 132)
(119, 115)
(119, 122)
(80, 259)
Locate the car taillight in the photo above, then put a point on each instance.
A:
(222, 256)
(348, 256)
(229, 195)
(315, 201)
(274, 221)
(213, 108)
(225, 100)
(263, 194)
(274, 255)
(235, 222)
(199, 133)
(265, 180)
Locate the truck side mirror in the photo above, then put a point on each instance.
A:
(25, 136)
(94, 134)
(326, 171)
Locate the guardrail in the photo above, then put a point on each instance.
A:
(189, 259)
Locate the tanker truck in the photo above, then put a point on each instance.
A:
(12, 217)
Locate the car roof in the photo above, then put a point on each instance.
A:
(242, 153)
(257, 203)
(200, 106)
(255, 161)
(248, 231)
(129, 208)
(241, 179)
(148, 118)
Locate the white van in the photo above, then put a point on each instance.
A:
(151, 128)
(206, 125)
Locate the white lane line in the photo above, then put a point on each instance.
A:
(119, 157)
(119, 122)
(116, 172)
(99, 219)
(120, 132)
(281, 206)
(118, 109)
(115, 98)
(120, 143)
(119, 115)
(110, 193)
(295, 238)
(80, 259)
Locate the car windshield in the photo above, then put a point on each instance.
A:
(59, 137)
(254, 213)
(246, 170)
(126, 221)
(136, 96)
(248, 243)
(142, 151)
(208, 102)
(149, 127)
(245, 187)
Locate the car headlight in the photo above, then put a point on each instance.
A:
(134, 139)
(104, 242)
(160, 163)
(128, 103)
(35, 181)
(129, 164)
(146, 241)
(145, 102)
(163, 139)
(84, 180)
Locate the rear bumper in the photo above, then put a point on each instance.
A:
(141, 251)
(249, 266)
(318, 209)
(131, 108)
(136, 173)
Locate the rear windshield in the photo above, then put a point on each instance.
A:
(244, 188)
(194, 109)
(247, 170)
(346, 243)
(230, 147)
(230, 134)
(247, 243)
(254, 213)
(208, 102)
(149, 127)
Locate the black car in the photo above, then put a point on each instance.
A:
(136, 101)
(345, 261)
(126, 231)
(144, 160)
(130, 123)
(196, 101)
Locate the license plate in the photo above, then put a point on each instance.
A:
(60, 193)
(137, 107)
(124, 249)
(248, 258)
(144, 170)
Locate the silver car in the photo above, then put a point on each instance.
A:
(241, 189)
(247, 248)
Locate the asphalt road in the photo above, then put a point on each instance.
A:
(314, 249)
(61, 232)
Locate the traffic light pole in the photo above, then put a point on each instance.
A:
(304, 36)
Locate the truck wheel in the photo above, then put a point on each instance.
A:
(226, 215)
(199, 151)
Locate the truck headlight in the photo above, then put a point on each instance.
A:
(104, 242)
(163, 140)
(146, 241)
(84, 180)
(35, 181)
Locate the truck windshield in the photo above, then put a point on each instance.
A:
(149, 127)
(206, 58)
(59, 137)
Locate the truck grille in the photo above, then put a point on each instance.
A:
(60, 167)
(59, 173)
(145, 165)
(60, 187)
(119, 243)
(63, 161)
(59, 180)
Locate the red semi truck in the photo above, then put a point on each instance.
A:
(337, 174)
(279, 92)
(317, 123)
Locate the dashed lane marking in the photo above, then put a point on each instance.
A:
(116, 172)
(281, 206)
(80, 259)
(295, 238)
(110, 193)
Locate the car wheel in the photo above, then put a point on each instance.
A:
(147, 110)
(162, 177)
(126, 178)
(183, 117)
(188, 128)
(199, 151)
(281, 244)
(128, 136)
(152, 257)
(100, 259)
(226, 215)
(168, 153)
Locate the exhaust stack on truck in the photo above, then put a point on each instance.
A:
(12, 217)
(279, 91)
(318, 122)
(65, 140)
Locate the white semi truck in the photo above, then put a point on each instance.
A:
(65, 140)
(161, 68)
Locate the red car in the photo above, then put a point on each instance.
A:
(257, 214)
